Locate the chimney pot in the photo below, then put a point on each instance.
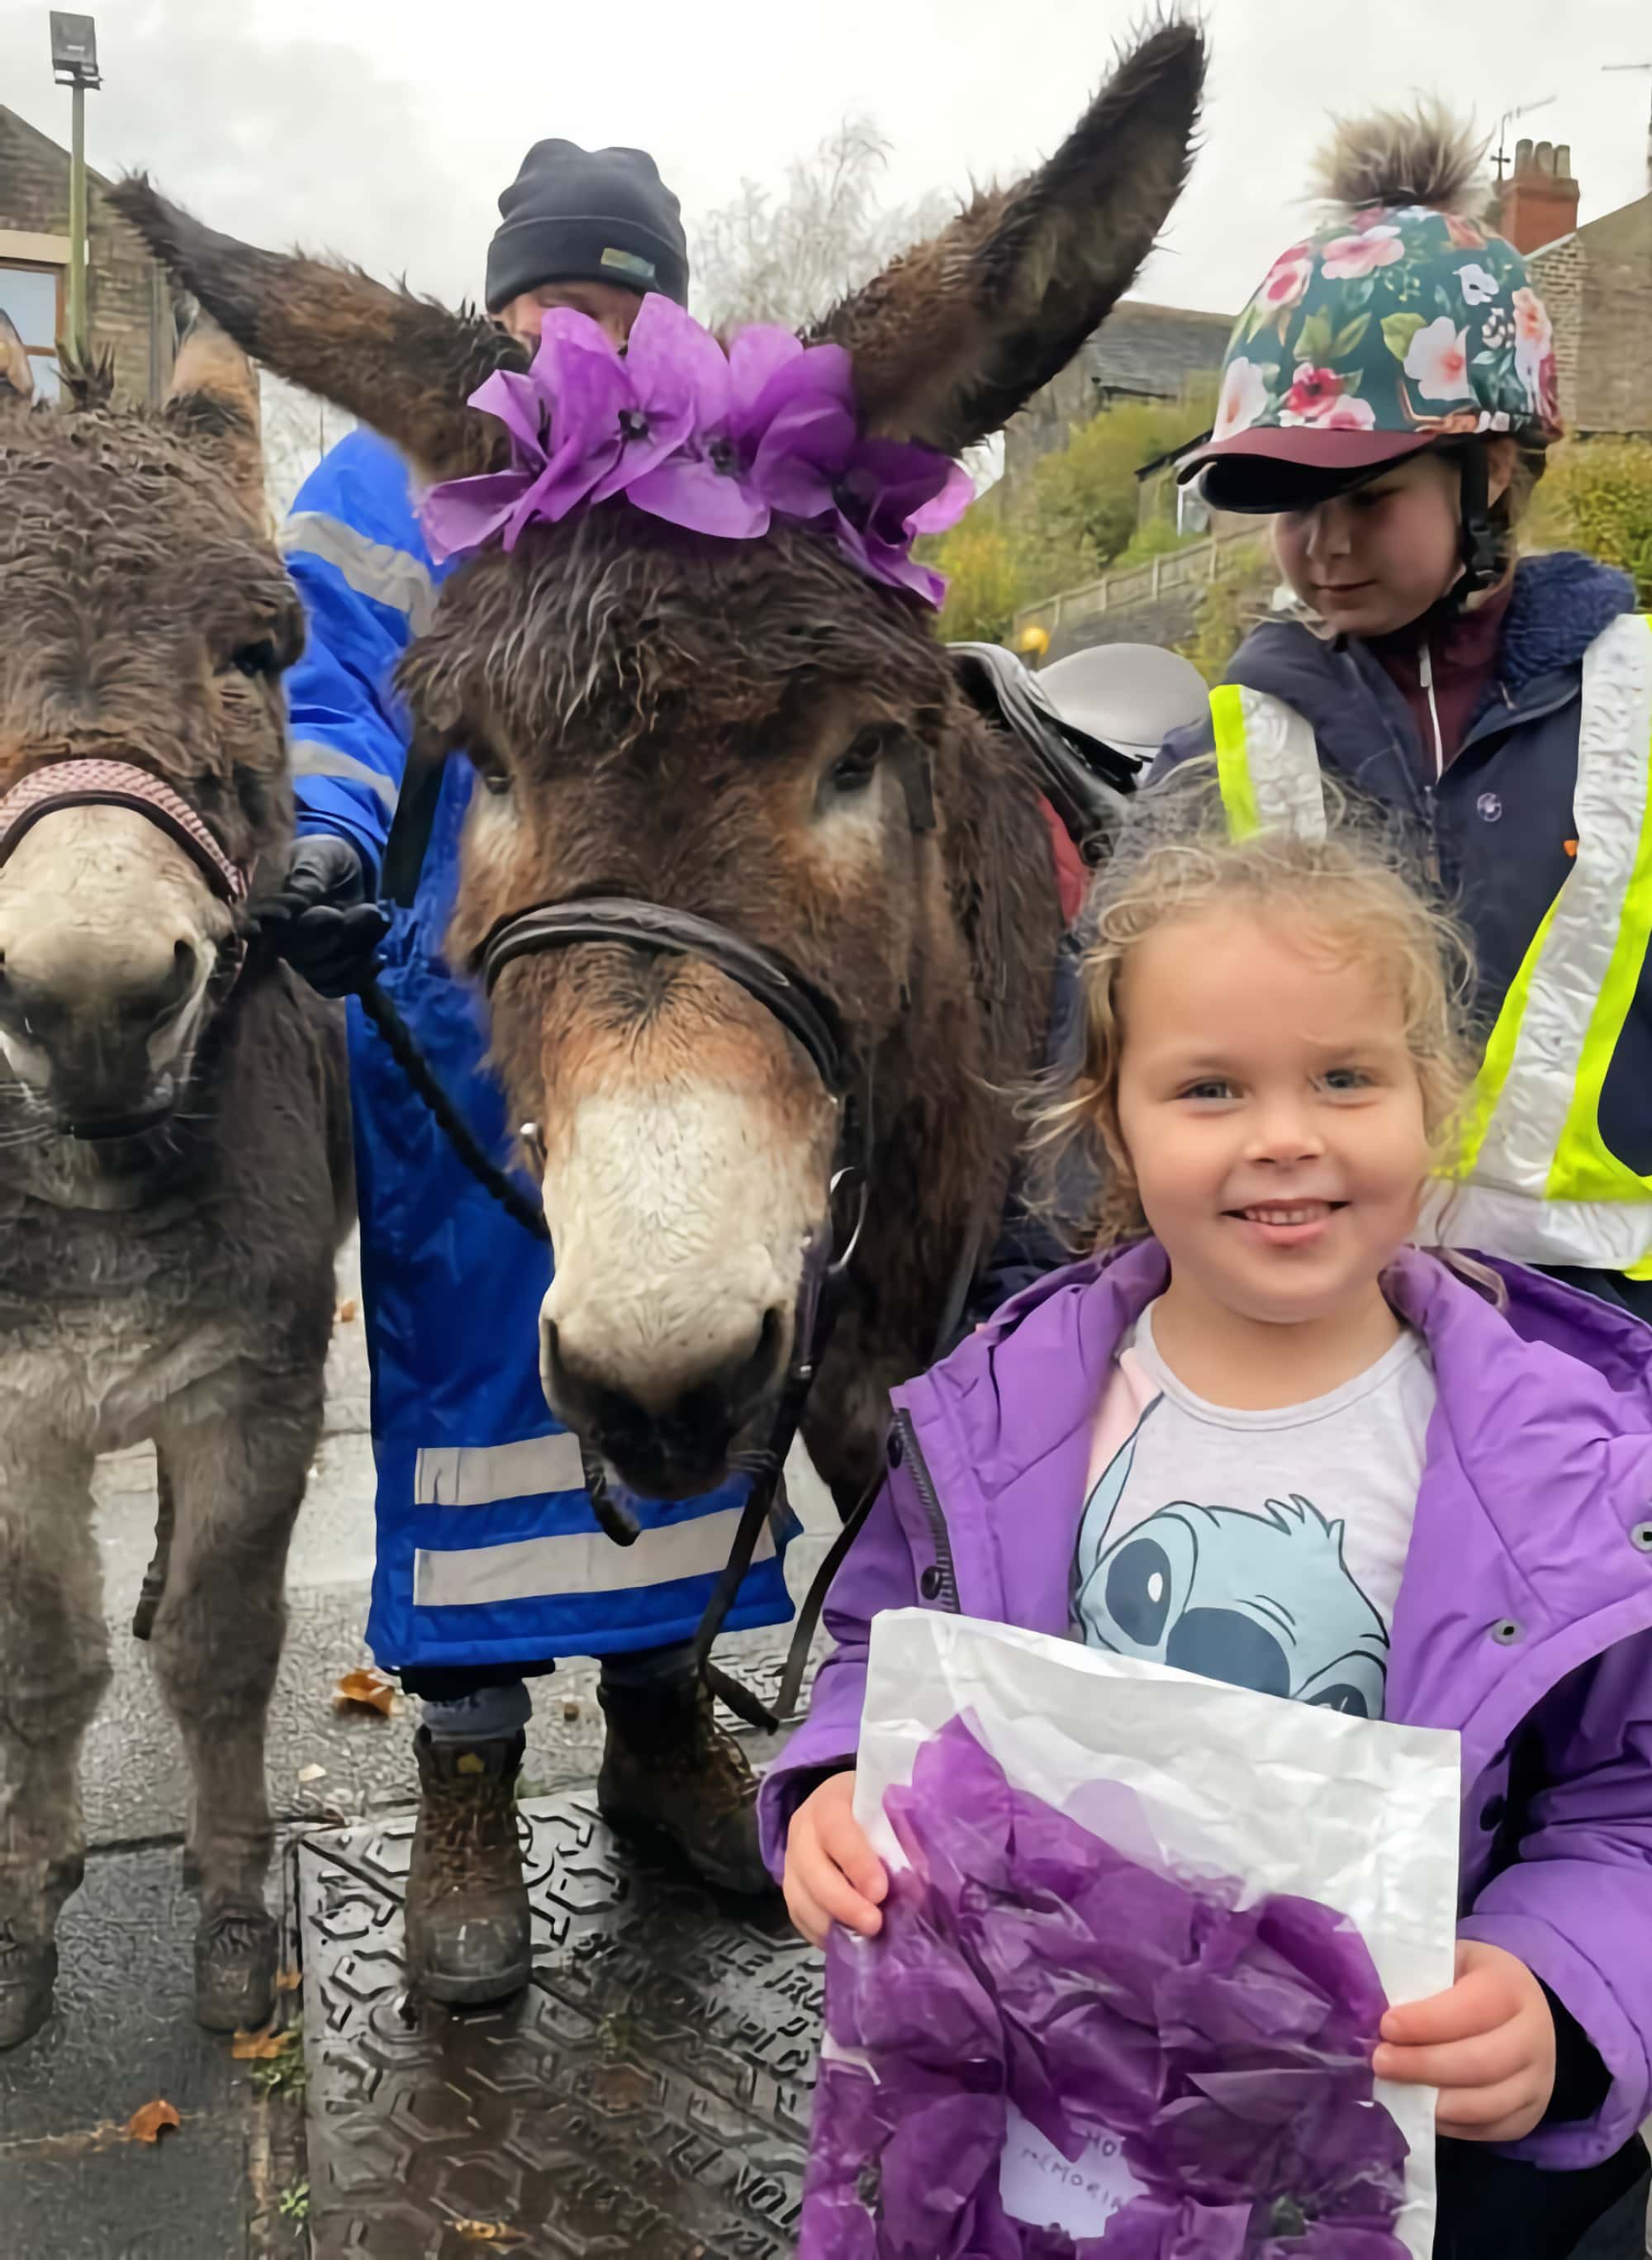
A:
(1539, 201)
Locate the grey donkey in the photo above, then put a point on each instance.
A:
(174, 1130)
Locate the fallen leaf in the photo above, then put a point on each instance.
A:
(347, 1311)
(366, 1691)
(312, 1773)
(289, 1981)
(487, 2232)
(260, 2048)
(145, 2126)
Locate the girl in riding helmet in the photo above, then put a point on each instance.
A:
(1387, 399)
(1272, 1063)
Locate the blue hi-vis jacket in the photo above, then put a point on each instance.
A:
(487, 1551)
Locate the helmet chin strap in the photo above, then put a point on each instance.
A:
(1482, 557)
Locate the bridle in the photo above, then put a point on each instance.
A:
(808, 1015)
(94, 782)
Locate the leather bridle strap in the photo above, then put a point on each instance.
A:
(94, 782)
(804, 1010)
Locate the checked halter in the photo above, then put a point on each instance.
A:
(93, 783)
(809, 1015)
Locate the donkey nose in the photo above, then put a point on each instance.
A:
(95, 1016)
(55, 983)
(678, 1443)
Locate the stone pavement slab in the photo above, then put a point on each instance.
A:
(73, 2185)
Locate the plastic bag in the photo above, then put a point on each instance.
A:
(1140, 1932)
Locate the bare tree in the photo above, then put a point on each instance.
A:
(298, 429)
(789, 258)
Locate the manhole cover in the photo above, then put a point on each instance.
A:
(649, 2095)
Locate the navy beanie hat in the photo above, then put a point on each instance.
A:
(575, 215)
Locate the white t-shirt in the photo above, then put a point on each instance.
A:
(1260, 1548)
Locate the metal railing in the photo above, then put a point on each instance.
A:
(1135, 584)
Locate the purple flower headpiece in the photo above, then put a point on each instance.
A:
(720, 442)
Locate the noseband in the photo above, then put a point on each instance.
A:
(807, 1014)
(97, 784)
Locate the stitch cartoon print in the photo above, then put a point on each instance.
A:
(1261, 1599)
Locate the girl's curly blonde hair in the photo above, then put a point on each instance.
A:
(1350, 893)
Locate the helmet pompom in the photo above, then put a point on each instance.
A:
(1423, 156)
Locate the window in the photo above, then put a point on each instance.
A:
(32, 296)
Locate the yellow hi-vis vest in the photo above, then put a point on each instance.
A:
(1532, 1180)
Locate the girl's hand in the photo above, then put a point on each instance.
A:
(1487, 2045)
(832, 1875)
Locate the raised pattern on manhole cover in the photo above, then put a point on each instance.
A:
(649, 2096)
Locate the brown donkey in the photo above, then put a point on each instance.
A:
(752, 732)
(174, 1134)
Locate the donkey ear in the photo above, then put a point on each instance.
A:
(89, 384)
(962, 330)
(213, 403)
(17, 377)
(402, 364)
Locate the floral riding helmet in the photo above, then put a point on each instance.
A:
(1390, 327)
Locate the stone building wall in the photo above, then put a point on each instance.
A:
(128, 306)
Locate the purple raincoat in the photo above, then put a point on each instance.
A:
(1526, 1595)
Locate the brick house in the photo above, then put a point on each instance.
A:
(1596, 281)
(128, 303)
(1141, 353)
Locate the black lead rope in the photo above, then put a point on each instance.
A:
(389, 1022)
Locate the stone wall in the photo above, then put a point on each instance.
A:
(128, 307)
(1557, 275)
(1614, 363)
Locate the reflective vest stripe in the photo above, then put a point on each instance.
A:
(392, 578)
(311, 758)
(1616, 760)
(578, 1561)
(484, 1474)
(1482, 1100)
(1532, 1177)
(1232, 761)
(1533, 1125)
(1596, 1235)
(1267, 764)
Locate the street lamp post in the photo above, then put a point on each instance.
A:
(75, 65)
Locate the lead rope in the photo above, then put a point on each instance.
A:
(814, 1601)
(383, 1013)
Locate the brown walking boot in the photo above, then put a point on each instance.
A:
(671, 1773)
(468, 1931)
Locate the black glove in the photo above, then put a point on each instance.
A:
(319, 918)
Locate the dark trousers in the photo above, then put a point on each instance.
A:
(636, 1667)
(1497, 2208)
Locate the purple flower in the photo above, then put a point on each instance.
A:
(890, 493)
(718, 442)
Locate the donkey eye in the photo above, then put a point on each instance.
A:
(256, 660)
(494, 781)
(854, 770)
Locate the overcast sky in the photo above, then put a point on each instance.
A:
(384, 129)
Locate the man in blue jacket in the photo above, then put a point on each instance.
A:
(490, 1564)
